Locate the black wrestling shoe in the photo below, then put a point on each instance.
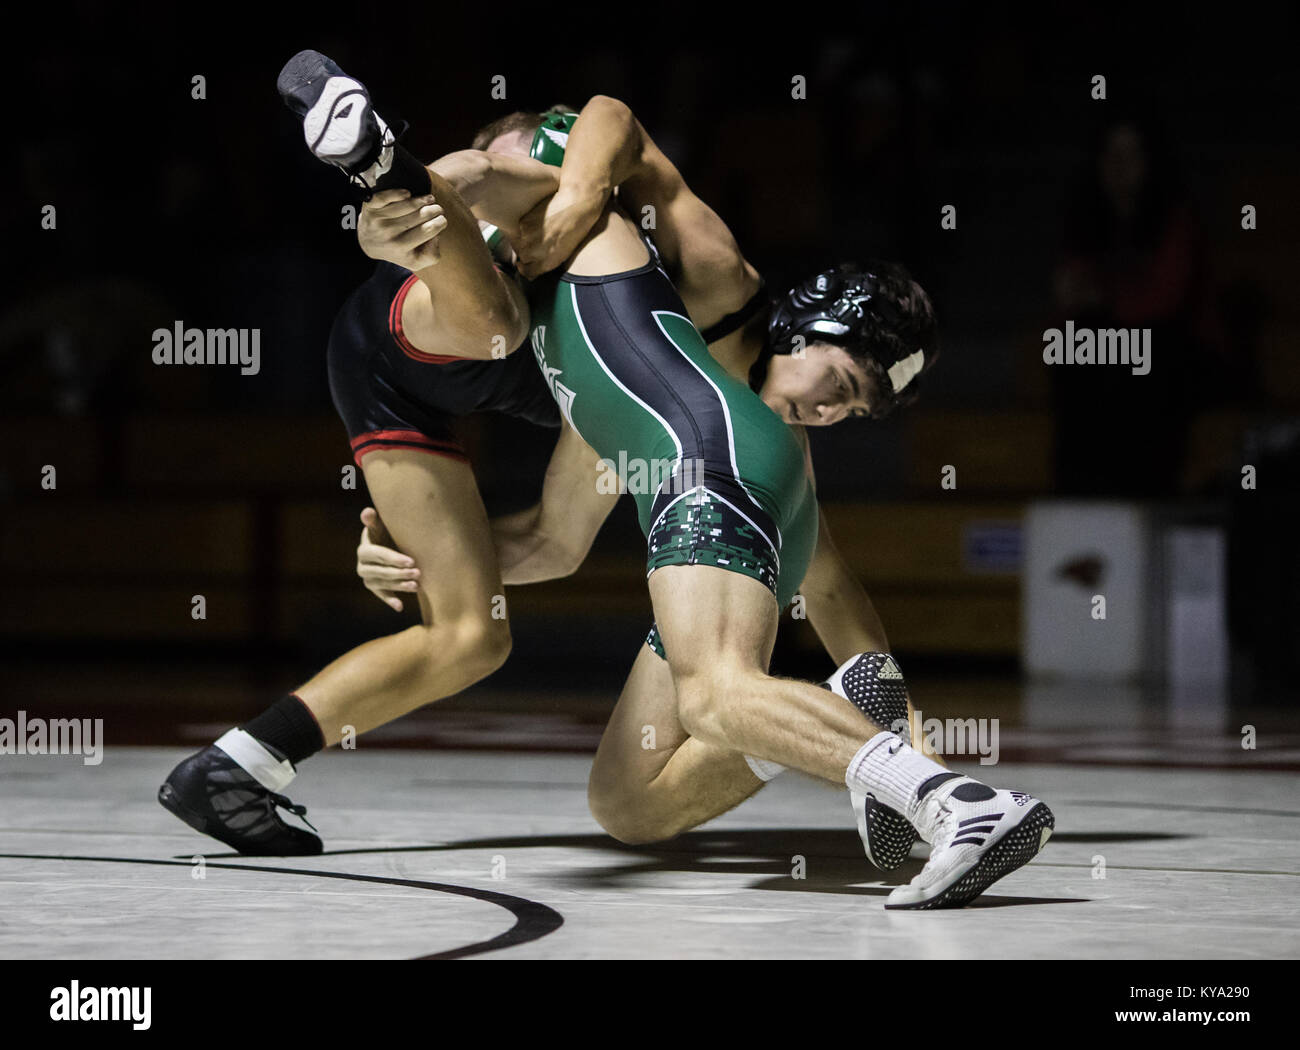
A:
(873, 683)
(213, 794)
(339, 123)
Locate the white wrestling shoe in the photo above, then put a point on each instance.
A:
(978, 834)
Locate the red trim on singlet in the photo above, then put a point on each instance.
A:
(412, 440)
(460, 457)
(395, 329)
(415, 436)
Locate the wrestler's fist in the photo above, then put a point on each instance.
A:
(552, 231)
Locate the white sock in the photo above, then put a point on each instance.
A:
(378, 169)
(251, 755)
(889, 769)
(764, 769)
(384, 162)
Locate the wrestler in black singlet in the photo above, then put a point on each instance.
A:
(391, 395)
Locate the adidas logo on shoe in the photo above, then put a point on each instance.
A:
(1021, 798)
(889, 670)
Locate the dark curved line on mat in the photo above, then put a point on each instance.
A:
(533, 921)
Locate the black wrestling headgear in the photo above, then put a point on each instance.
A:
(877, 312)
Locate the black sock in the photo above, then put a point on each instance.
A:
(289, 727)
(407, 173)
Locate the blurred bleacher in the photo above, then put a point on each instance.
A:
(249, 513)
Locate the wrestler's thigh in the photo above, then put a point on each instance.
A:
(643, 731)
(431, 506)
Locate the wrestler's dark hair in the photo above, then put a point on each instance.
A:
(903, 320)
(509, 124)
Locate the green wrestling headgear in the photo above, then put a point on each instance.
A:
(552, 137)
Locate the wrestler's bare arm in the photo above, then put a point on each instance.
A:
(546, 541)
(609, 148)
(838, 606)
(499, 188)
(551, 539)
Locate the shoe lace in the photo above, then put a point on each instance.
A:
(264, 801)
(944, 826)
(393, 134)
(298, 811)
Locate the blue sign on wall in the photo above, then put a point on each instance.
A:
(991, 546)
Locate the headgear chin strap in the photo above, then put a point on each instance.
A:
(844, 306)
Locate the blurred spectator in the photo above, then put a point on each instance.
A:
(1134, 258)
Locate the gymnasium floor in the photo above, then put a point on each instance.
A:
(493, 854)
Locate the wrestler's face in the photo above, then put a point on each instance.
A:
(819, 387)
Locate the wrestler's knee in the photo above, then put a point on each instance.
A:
(477, 644)
(711, 696)
(627, 818)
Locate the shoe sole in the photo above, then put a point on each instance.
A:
(328, 137)
(306, 67)
(887, 836)
(1014, 850)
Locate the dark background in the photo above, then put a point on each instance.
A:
(181, 481)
